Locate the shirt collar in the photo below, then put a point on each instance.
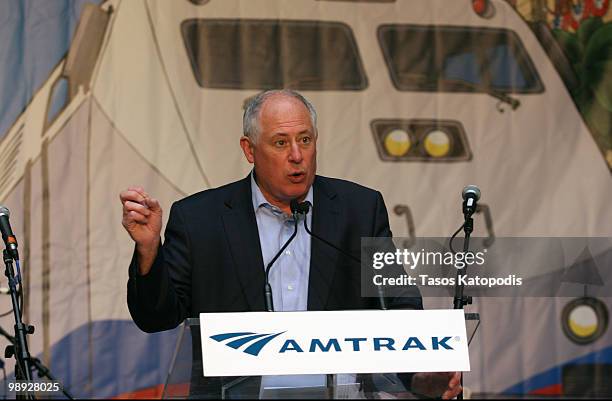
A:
(259, 199)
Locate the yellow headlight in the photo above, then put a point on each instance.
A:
(437, 143)
(397, 143)
(583, 321)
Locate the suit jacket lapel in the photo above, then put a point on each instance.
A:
(323, 258)
(241, 230)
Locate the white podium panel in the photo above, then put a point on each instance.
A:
(364, 341)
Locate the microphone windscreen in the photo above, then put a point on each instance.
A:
(299, 208)
(305, 207)
(471, 190)
(295, 206)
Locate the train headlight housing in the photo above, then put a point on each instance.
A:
(420, 140)
(584, 320)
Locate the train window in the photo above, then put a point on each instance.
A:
(457, 59)
(263, 54)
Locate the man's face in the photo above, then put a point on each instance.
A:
(285, 155)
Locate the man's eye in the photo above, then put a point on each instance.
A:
(280, 142)
(306, 139)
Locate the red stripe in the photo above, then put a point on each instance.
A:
(175, 390)
(145, 393)
(555, 389)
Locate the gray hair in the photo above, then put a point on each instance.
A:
(251, 126)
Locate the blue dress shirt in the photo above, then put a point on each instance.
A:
(289, 273)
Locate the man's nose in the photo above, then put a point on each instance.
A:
(296, 153)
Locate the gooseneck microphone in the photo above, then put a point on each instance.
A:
(267, 287)
(304, 208)
(7, 233)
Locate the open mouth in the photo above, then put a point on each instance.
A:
(297, 176)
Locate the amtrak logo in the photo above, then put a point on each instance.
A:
(237, 340)
(253, 343)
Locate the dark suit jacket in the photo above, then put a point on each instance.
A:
(211, 259)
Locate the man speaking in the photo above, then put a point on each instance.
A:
(218, 241)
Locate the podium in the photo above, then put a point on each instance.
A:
(186, 380)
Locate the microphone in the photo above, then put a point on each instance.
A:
(299, 207)
(7, 233)
(470, 195)
(267, 287)
(304, 208)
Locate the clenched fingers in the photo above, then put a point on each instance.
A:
(454, 386)
(130, 195)
(455, 379)
(136, 217)
(152, 204)
(131, 206)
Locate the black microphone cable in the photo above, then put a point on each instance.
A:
(303, 208)
(268, 288)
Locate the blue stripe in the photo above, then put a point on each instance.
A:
(225, 336)
(256, 347)
(241, 341)
(123, 359)
(552, 376)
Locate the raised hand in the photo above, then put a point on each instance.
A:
(142, 219)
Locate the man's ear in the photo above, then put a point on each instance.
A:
(247, 149)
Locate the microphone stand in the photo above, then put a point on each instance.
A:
(460, 300)
(37, 364)
(19, 348)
